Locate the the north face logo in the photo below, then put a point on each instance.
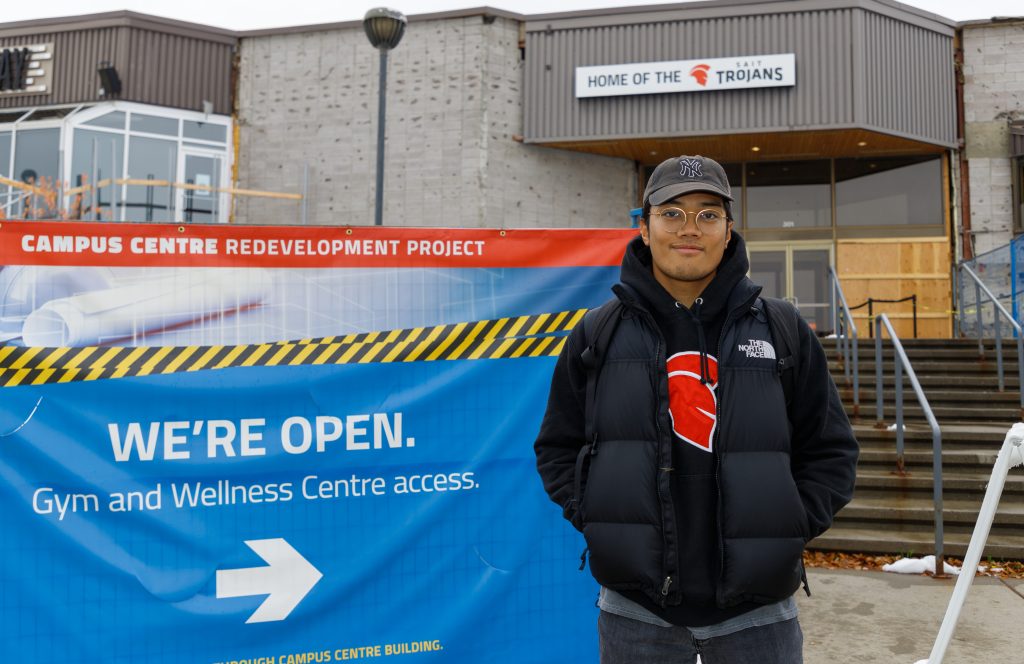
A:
(690, 168)
(692, 406)
(758, 348)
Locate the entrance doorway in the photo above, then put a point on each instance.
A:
(798, 272)
(203, 205)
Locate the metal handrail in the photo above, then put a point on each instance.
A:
(1010, 454)
(979, 288)
(841, 315)
(903, 362)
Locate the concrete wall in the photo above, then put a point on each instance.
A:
(993, 95)
(454, 105)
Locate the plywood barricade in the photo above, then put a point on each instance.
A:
(895, 269)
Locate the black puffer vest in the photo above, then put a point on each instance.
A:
(623, 478)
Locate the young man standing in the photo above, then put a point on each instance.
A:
(674, 451)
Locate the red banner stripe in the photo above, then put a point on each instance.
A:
(195, 245)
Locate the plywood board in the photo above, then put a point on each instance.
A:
(893, 270)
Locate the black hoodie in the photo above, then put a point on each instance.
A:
(688, 330)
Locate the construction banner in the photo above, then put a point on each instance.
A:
(287, 444)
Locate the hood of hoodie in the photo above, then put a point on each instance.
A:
(638, 275)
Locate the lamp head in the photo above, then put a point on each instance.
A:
(384, 27)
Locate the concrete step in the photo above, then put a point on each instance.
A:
(921, 510)
(910, 541)
(935, 395)
(866, 382)
(867, 348)
(919, 457)
(894, 513)
(988, 343)
(974, 435)
(954, 484)
(930, 367)
(995, 413)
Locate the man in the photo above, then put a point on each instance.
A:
(693, 481)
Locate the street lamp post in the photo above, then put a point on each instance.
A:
(384, 28)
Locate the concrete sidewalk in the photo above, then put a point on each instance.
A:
(867, 616)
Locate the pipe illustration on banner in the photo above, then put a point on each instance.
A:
(80, 305)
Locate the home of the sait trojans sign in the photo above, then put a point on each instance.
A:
(645, 78)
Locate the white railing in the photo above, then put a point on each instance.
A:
(1010, 454)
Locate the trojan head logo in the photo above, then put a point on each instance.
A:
(690, 168)
(692, 406)
(700, 72)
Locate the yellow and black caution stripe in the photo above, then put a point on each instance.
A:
(524, 336)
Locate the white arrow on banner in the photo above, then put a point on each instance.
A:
(287, 578)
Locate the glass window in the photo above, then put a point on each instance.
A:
(735, 174)
(768, 268)
(152, 124)
(50, 113)
(889, 191)
(36, 161)
(811, 292)
(205, 131)
(789, 194)
(102, 151)
(11, 116)
(112, 120)
(150, 159)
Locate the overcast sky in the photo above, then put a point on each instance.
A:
(251, 15)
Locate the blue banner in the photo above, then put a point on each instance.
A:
(323, 499)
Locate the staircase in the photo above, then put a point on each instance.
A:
(895, 514)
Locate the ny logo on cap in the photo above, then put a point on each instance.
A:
(690, 168)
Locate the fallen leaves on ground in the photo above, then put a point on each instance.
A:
(1006, 569)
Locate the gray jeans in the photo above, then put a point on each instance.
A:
(627, 641)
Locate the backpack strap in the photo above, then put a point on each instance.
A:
(598, 328)
(783, 319)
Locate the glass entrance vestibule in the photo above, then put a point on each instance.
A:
(114, 161)
(825, 198)
(796, 214)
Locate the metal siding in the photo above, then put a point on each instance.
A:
(821, 41)
(845, 77)
(154, 67)
(910, 86)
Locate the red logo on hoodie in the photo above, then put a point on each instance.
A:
(691, 404)
(700, 72)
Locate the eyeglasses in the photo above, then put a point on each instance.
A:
(674, 219)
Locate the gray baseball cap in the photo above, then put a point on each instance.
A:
(683, 175)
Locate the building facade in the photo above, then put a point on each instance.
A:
(839, 123)
(100, 115)
(835, 122)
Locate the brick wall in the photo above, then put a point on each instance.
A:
(454, 105)
(993, 94)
